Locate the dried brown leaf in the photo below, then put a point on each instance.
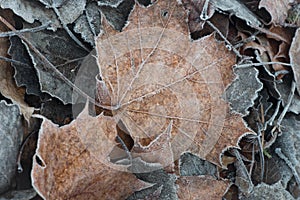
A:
(156, 76)
(200, 187)
(63, 168)
(278, 9)
(295, 59)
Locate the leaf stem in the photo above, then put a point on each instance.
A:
(18, 32)
(25, 141)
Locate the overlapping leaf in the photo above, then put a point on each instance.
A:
(63, 168)
(11, 134)
(156, 77)
(8, 87)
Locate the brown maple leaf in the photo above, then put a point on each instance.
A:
(156, 76)
(63, 168)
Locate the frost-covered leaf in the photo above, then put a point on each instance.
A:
(69, 10)
(63, 168)
(31, 11)
(191, 165)
(163, 182)
(295, 59)
(243, 179)
(278, 9)
(284, 88)
(238, 9)
(265, 191)
(24, 75)
(8, 87)
(88, 25)
(11, 133)
(242, 92)
(156, 76)
(63, 53)
(289, 142)
(117, 17)
(281, 171)
(200, 187)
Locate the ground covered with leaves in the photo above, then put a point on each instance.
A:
(149, 99)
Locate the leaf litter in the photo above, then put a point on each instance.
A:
(167, 98)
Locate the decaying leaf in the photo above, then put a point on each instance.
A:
(191, 165)
(160, 179)
(89, 23)
(63, 168)
(11, 134)
(31, 10)
(68, 10)
(284, 88)
(8, 87)
(238, 9)
(200, 187)
(244, 90)
(156, 76)
(34, 10)
(117, 16)
(63, 53)
(278, 9)
(25, 75)
(295, 60)
(265, 191)
(195, 8)
(279, 176)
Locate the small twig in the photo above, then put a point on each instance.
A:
(18, 32)
(13, 61)
(204, 12)
(272, 119)
(225, 39)
(70, 61)
(25, 141)
(260, 64)
(204, 17)
(289, 163)
(288, 104)
(281, 72)
(246, 40)
(124, 147)
(261, 152)
(252, 160)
